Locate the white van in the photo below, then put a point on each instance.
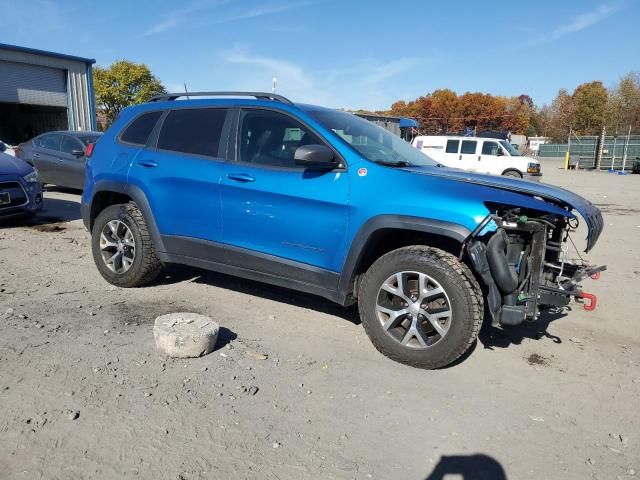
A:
(478, 154)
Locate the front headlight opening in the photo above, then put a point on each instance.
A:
(31, 177)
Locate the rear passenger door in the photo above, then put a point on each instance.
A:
(179, 171)
(469, 156)
(45, 158)
(450, 157)
(71, 162)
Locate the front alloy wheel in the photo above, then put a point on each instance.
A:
(414, 309)
(420, 306)
(117, 246)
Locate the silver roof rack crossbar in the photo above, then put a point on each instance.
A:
(258, 95)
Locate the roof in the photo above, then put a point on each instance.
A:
(33, 51)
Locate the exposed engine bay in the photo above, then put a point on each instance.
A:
(529, 262)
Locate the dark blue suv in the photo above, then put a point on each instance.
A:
(321, 201)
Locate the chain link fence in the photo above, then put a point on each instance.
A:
(584, 152)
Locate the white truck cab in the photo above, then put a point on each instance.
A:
(479, 154)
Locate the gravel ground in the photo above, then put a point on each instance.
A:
(295, 389)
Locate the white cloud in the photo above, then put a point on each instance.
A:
(194, 14)
(364, 84)
(576, 24)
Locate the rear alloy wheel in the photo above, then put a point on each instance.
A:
(420, 306)
(122, 247)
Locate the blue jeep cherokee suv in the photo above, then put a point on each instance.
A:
(322, 201)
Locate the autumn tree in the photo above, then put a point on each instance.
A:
(623, 107)
(589, 103)
(124, 83)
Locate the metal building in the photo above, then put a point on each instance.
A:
(42, 91)
(406, 128)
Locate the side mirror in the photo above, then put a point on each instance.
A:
(77, 153)
(315, 156)
(500, 153)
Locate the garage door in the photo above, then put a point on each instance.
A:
(32, 84)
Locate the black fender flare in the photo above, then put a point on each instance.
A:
(138, 196)
(442, 228)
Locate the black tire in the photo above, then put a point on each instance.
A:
(512, 173)
(146, 264)
(461, 287)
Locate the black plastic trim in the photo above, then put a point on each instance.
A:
(253, 265)
(454, 231)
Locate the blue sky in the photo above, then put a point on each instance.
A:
(341, 53)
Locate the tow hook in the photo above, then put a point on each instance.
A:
(593, 300)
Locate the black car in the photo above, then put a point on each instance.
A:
(59, 156)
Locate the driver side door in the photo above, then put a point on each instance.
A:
(279, 216)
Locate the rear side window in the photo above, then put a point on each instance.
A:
(139, 130)
(468, 146)
(195, 131)
(452, 146)
(70, 144)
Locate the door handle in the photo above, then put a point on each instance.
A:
(147, 163)
(36, 155)
(241, 177)
(460, 157)
(479, 157)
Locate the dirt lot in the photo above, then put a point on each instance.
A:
(83, 393)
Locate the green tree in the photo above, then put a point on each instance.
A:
(122, 84)
(589, 104)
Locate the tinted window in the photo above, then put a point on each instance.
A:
(452, 146)
(194, 131)
(69, 144)
(52, 142)
(139, 130)
(490, 148)
(270, 138)
(468, 146)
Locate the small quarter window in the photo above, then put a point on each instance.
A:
(139, 130)
(452, 146)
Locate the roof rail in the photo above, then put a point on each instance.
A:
(258, 95)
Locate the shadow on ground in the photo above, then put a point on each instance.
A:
(492, 337)
(468, 467)
(55, 211)
(179, 273)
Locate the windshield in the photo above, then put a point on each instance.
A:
(371, 141)
(509, 148)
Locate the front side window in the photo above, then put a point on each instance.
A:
(139, 130)
(490, 148)
(468, 146)
(452, 146)
(196, 131)
(271, 138)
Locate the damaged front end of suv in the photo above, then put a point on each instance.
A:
(525, 257)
